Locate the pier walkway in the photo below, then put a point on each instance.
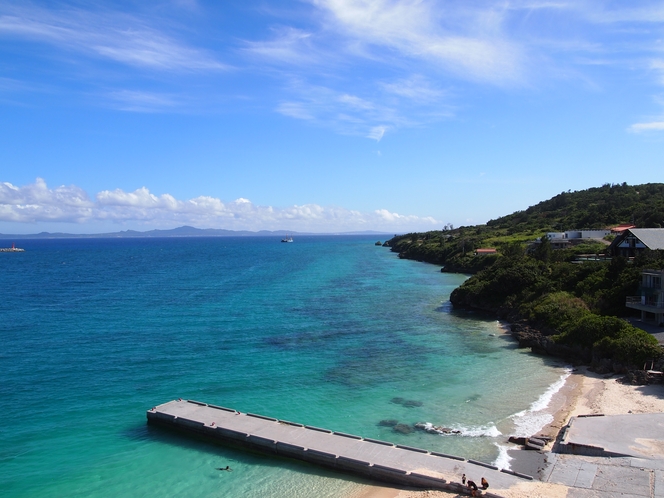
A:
(379, 460)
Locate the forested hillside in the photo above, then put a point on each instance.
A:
(608, 205)
(557, 305)
(595, 208)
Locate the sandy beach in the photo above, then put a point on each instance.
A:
(584, 393)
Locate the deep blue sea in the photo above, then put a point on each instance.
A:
(330, 331)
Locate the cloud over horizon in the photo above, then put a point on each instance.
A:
(37, 203)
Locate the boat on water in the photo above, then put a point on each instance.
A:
(287, 239)
(13, 248)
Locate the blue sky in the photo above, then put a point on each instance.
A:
(320, 115)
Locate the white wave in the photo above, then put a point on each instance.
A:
(484, 431)
(535, 418)
(503, 459)
(456, 430)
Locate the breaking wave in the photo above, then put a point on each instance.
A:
(456, 430)
(503, 459)
(535, 418)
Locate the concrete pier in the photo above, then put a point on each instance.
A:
(379, 460)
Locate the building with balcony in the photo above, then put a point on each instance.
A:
(651, 301)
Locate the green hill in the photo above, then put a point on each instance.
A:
(608, 205)
(594, 208)
(556, 305)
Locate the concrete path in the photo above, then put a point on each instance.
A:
(601, 477)
(610, 456)
(637, 435)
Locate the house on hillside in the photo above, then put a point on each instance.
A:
(633, 241)
(485, 251)
(651, 301)
(569, 238)
(578, 234)
(621, 228)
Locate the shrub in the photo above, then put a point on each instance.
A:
(632, 347)
(591, 328)
(557, 310)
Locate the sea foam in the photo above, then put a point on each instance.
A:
(458, 430)
(535, 418)
(503, 459)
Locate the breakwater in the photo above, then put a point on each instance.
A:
(375, 459)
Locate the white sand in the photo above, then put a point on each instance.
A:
(608, 396)
(585, 393)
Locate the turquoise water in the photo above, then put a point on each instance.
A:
(327, 331)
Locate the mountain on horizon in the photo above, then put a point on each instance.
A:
(183, 231)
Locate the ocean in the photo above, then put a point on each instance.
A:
(330, 331)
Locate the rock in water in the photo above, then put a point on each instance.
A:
(403, 428)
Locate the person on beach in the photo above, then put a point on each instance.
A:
(463, 479)
(485, 483)
(473, 488)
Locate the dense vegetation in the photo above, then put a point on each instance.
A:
(575, 308)
(641, 205)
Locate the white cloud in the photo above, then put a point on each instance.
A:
(139, 198)
(104, 34)
(394, 105)
(398, 218)
(657, 65)
(415, 88)
(645, 127)
(470, 43)
(289, 46)
(377, 132)
(356, 102)
(37, 203)
(140, 101)
(297, 110)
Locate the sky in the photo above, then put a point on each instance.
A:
(320, 115)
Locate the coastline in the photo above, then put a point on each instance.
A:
(583, 393)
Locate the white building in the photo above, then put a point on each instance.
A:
(651, 301)
(579, 234)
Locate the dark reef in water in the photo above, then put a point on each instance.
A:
(408, 403)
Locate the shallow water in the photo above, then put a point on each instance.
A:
(327, 331)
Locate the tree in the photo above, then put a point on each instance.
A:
(512, 250)
(543, 250)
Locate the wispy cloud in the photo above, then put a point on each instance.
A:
(645, 127)
(297, 110)
(141, 101)
(105, 34)
(377, 132)
(392, 105)
(37, 202)
(416, 88)
(354, 66)
(471, 44)
(288, 46)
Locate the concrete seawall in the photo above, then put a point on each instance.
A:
(371, 458)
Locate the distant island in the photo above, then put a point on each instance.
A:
(183, 231)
